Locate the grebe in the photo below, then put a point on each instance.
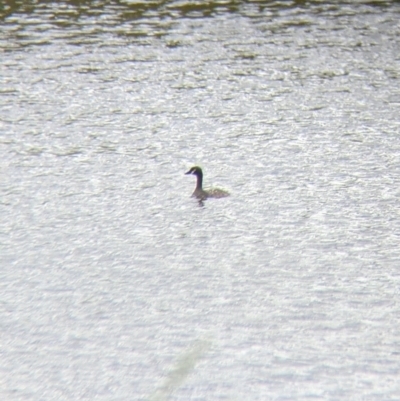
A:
(201, 193)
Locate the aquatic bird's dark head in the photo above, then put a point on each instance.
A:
(195, 171)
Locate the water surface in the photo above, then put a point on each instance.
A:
(116, 284)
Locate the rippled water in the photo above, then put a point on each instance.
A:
(115, 284)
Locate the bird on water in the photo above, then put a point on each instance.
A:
(201, 193)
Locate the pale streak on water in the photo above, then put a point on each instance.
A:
(111, 274)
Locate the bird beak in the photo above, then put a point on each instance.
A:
(188, 172)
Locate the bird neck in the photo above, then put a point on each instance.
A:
(199, 184)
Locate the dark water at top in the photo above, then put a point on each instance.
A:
(115, 284)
